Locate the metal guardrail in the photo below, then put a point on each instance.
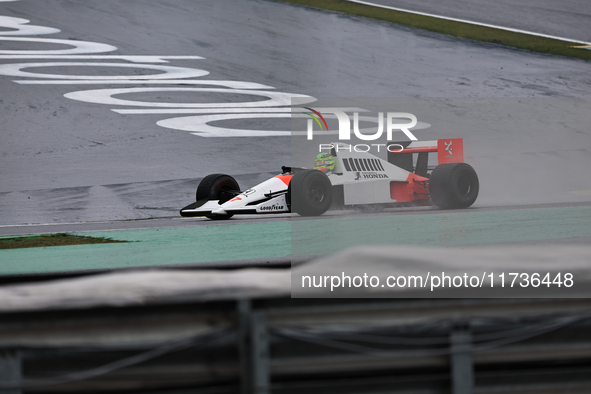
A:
(287, 345)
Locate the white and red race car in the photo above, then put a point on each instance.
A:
(358, 179)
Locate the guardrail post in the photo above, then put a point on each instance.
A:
(10, 371)
(254, 350)
(462, 366)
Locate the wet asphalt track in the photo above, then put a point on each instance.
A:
(68, 161)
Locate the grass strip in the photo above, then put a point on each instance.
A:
(45, 240)
(453, 28)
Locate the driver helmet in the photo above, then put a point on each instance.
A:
(324, 162)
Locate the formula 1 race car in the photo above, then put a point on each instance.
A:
(349, 178)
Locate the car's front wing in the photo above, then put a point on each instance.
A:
(277, 204)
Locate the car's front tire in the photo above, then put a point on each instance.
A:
(216, 187)
(309, 193)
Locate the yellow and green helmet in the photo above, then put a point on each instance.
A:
(324, 162)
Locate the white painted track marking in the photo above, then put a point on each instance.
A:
(130, 58)
(221, 110)
(469, 22)
(22, 28)
(228, 84)
(80, 47)
(104, 96)
(169, 75)
(169, 72)
(199, 125)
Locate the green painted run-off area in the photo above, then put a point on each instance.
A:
(266, 239)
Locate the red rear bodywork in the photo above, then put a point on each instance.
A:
(414, 158)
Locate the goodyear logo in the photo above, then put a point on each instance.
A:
(274, 207)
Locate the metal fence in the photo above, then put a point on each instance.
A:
(283, 345)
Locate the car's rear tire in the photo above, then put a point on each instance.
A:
(453, 186)
(215, 187)
(309, 193)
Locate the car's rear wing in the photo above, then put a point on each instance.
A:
(448, 151)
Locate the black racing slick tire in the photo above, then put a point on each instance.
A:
(213, 187)
(309, 193)
(453, 186)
